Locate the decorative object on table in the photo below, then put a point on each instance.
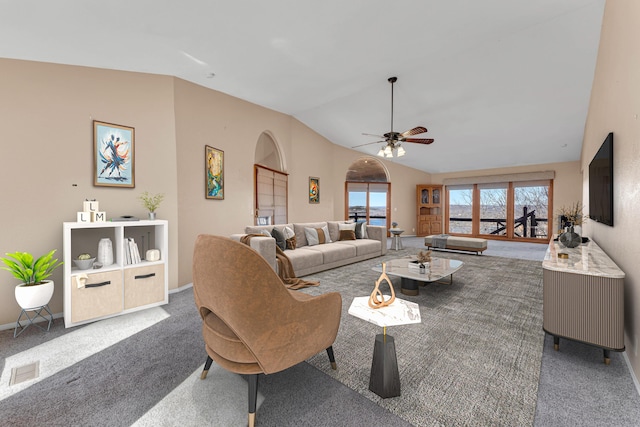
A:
(570, 238)
(376, 300)
(394, 225)
(423, 258)
(84, 261)
(91, 212)
(35, 290)
(105, 251)
(214, 171)
(113, 155)
(573, 217)
(314, 190)
(151, 202)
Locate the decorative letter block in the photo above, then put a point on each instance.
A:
(84, 217)
(98, 216)
(90, 205)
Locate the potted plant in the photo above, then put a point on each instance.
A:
(35, 290)
(151, 202)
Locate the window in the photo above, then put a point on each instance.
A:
(517, 210)
(460, 209)
(531, 210)
(493, 209)
(367, 192)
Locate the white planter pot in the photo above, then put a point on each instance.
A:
(34, 296)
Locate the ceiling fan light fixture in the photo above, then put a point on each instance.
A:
(381, 152)
(387, 151)
(401, 151)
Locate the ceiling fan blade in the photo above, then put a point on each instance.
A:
(367, 143)
(419, 140)
(414, 131)
(370, 134)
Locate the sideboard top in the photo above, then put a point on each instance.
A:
(588, 259)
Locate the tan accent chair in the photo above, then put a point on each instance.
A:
(252, 324)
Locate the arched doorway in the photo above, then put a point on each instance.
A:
(368, 192)
(270, 183)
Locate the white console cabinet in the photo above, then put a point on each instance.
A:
(120, 288)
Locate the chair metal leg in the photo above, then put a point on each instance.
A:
(332, 358)
(207, 365)
(253, 397)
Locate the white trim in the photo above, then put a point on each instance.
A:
(633, 375)
(511, 177)
(181, 288)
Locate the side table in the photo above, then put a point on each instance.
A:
(396, 241)
(37, 312)
(385, 378)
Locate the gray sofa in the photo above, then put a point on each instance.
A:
(307, 259)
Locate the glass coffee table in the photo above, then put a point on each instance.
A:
(412, 276)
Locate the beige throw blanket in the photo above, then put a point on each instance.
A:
(285, 268)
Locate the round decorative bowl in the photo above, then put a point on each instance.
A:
(84, 264)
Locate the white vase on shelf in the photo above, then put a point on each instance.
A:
(105, 251)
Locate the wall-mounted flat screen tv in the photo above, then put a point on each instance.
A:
(601, 183)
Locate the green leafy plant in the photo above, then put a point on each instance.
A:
(151, 201)
(29, 270)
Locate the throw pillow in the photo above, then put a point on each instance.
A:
(322, 236)
(312, 236)
(347, 235)
(327, 237)
(291, 243)
(266, 233)
(288, 232)
(280, 240)
(361, 230)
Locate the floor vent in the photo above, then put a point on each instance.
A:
(24, 373)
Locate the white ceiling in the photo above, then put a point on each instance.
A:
(497, 82)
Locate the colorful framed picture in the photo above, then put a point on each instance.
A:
(314, 190)
(113, 155)
(214, 171)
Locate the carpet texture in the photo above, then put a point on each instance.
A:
(474, 359)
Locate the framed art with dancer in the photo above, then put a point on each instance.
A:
(113, 155)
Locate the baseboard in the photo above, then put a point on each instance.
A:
(633, 375)
(61, 315)
(38, 320)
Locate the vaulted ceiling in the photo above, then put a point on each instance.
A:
(496, 82)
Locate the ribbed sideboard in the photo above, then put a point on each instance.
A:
(583, 297)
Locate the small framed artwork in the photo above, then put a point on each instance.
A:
(113, 155)
(314, 190)
(214, 171)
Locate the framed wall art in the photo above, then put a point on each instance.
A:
(214, 171)
(314, 190)
(113, 155)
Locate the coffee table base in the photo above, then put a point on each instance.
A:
(410, 286)
(385, 378)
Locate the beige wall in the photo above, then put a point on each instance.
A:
(46, 114)
(566, 185)
(615, 107)
(205, 117)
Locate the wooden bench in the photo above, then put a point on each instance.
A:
(459, 243)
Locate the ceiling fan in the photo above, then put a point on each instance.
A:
(393, 139)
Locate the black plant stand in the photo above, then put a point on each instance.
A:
(37, 312)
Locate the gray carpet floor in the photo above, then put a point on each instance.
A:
(151, 377)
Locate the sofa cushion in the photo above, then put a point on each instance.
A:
(363, 246)
(347, 235)
(291, 243)
(304, 258)
(334, 252)
(333, 229)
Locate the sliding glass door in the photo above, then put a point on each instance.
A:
(368, 201)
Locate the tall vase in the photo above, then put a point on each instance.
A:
(570, 238)
(105, 251)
